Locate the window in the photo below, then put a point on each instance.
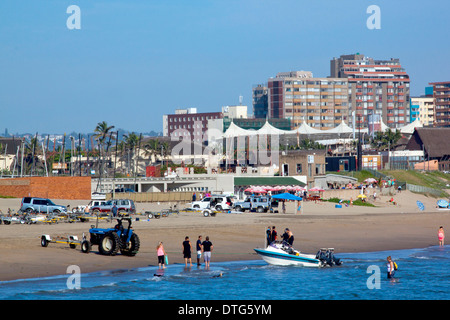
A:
(299, 168)
(317, 168)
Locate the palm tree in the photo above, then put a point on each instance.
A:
(385, 140)
(102, 132)
(131, 142)
(151, 147)
(31, 152)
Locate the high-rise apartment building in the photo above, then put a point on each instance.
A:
(441, 96)
(321, 102)
(374, 87)
(422, 109)
(260, 104)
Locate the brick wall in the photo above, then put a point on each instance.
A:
(71, 188)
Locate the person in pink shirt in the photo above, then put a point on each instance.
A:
(161, 253)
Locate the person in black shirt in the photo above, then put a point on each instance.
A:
(285, 235)
(274, 234)
(187, 251)
(291, 237)
(288, 236)
(199, 249)
(207, 247)
(268, 236)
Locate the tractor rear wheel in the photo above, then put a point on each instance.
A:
(133, 246)
(109, 244)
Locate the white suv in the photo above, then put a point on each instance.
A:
(218, 202)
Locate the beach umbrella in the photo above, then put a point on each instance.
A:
(420, 205)
(362, 196)
(286, 196)
(442, 204)
(316, 189)
(370, 180)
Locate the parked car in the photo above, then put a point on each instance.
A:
(82, 208)
(218, 202)
(253, 203)
(40, 205)
(124, 206)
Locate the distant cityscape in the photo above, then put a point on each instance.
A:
(359, 89)
(362, 114)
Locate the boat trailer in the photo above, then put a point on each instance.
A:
(71, 240)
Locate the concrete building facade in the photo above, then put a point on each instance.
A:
(320, 102)
(374, 87)
(187, 122)
(441, 96)
(422, 108)
(309, 163)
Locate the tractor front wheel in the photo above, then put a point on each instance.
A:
(85, 246)
(133, 246)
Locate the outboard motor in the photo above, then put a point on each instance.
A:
(326, 256)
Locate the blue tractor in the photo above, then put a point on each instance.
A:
(121, 237)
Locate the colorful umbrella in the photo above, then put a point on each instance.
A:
(420, 205)
(442, 204)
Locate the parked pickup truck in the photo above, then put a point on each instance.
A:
(252, 203)
(124, 206)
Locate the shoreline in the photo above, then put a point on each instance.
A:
(181, 264)
(234, 236)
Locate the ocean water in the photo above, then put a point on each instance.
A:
(424, 274)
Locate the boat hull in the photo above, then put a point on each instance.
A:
(284, 259)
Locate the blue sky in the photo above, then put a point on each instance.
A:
(134, 60)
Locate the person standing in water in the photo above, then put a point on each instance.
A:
(161, 254)
(441, 236)
(199, 249)
(207, 247)
(187, 251)
(390, 268)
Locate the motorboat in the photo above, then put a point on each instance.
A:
(280, 253)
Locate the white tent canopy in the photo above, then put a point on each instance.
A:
(268, 129)
(341, 128)
(236, 131)
(305, 129)
(409, 128)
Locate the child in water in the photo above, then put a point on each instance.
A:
(441, 236)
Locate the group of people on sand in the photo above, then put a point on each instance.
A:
(202, 247)
(272, 235)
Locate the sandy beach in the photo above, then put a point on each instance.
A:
(234, 235)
